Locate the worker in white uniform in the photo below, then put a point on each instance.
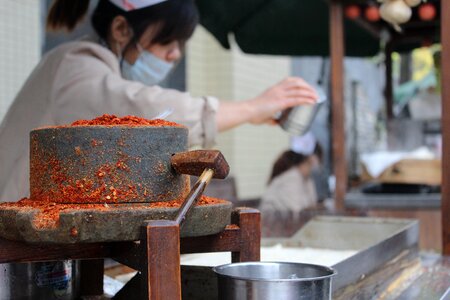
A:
(117, 72)
(291, 187)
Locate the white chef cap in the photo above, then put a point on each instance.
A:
(304, 144)
(128, 5)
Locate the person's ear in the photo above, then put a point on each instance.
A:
(120, 31)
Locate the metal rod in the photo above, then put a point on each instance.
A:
(194, 195)
(389, 88)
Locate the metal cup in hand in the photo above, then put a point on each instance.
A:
(298, 119)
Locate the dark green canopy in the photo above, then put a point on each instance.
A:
(282, 27)
(297, 27)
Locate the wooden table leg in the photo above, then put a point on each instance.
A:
(249, 221)
(161, 278)
(91, 277)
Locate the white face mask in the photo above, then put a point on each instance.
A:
(148, 68)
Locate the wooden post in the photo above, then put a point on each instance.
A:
(445, 77)
(249, 222)
(388, 92)
(161, 278)
(337, 101)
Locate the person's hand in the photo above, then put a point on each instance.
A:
(292, 91)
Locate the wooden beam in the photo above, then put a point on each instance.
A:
(445, 77)
(388, 92)
(337, 100)
(12, 251)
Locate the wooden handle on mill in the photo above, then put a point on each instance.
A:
(207, 164)
(195, 162)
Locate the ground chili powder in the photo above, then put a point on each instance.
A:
(112, 120)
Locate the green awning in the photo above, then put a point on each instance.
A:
(282, 27)
(285, 27)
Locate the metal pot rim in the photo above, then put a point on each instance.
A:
(218, 271)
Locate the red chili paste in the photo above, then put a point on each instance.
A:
(112, 120)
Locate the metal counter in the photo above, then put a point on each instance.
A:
(375, 241)
(357, 199)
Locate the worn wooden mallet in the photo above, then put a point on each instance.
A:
(207, 164)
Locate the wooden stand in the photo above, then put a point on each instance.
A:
(156, 255)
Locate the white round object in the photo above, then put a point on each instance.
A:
(395, 12)
(413, 3)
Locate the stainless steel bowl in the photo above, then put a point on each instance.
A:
(274, 281)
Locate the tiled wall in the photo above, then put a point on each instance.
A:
(233, 75)
(20, 46)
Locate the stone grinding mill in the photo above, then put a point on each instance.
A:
(121, 191)
(105, 180)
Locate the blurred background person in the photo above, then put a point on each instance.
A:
(291, 186)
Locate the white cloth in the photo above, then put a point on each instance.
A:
(289, 191)
(377, 162)
(128, 5)
(82, 80)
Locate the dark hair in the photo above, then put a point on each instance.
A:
(289, 158)
(177, 19)
(66, 14)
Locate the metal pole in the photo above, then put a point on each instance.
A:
(389, 89)
(337, 101)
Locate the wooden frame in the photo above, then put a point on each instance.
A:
(158, 249)
(338, 131)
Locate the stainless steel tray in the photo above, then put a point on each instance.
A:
(375, 240)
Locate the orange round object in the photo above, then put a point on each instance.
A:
(372, 13)
(427, 12)
(352, 12)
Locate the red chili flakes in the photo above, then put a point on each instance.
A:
(49, 212)
(73, 232)
(95, 143)
(109, 183)
(103, 171)
(122, 166)
(112, 120)
(160, 168)
(78, 151)
(204, 200)
(232, 226)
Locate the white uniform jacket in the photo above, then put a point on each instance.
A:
(289, 192)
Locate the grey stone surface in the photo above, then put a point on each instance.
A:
(117, 223)
(136, 157)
